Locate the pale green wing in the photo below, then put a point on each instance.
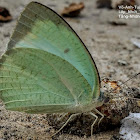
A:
(41, 28)
(46, 64)
(37, 81)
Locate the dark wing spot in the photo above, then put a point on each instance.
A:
(66, 50)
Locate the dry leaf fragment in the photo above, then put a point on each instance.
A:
(104, 4)
(5, 15)
(73, 10)
(117, 23)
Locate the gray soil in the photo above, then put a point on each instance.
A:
(115, 56)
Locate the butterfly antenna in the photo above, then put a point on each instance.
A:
(126, 81)
(130, 78)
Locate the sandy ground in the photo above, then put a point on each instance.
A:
(115, 56)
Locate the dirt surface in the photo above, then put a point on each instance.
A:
(115, 56)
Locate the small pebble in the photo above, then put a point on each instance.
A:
(122, 63)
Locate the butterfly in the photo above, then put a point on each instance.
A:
(46, 67)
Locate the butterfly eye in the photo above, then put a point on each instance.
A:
(106, 99)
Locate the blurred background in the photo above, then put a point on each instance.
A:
(113, 42)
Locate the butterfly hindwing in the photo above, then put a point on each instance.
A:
(29, 79)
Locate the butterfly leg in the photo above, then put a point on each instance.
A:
(63, 116)
(73, 115)
(102, 116)
(96, 117)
